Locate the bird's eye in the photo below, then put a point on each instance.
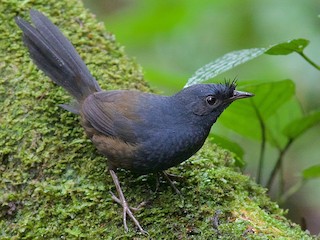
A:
(211, 100)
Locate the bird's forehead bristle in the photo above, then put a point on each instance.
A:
(221, 90)
(226, 89)
(230, 83)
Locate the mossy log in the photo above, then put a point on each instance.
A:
(54, 184)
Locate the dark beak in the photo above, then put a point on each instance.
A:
(238, 95)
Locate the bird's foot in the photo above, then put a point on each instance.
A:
(168, 177)
(117, 200)
(127, 210)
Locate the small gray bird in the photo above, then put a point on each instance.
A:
(138, 131)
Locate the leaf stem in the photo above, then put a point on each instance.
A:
(291, 191)
(309, 60)
(263, 143)
(282, 181)
(278, 164)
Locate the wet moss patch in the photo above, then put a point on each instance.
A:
(53, 182)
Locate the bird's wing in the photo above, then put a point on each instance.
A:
(112, 113)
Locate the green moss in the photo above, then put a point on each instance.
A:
(53, 182)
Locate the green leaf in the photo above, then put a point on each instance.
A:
(223, 64)
(271, 95)
(311, 172)
(232, 146)
(299, 126)
(241, 116)
(280, 119)
(295, 45)
(233, 59)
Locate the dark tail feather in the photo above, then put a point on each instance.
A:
(55, 55)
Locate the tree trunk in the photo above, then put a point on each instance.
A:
(53, 182)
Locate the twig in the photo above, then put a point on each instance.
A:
(263, 143)
(278, 164)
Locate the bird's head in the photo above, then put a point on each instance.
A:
(209, 99)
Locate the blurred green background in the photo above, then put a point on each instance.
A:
(171, 39)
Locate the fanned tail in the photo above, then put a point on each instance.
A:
(56, 57)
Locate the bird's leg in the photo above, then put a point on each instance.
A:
(174, 177)
(116, 199)
(167, 177)
(157, 177)
(121, 200)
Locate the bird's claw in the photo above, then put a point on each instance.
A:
(126, 208)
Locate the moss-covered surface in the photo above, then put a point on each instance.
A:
(54, 185)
